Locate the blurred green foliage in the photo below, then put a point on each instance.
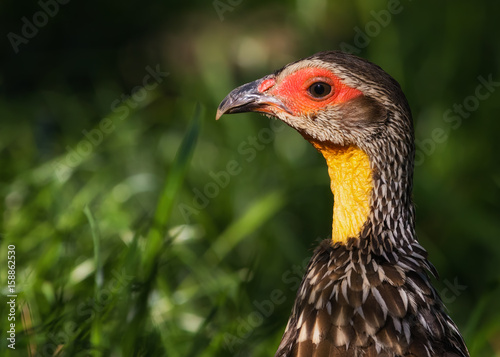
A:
(126, 244)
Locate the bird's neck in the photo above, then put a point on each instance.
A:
(352, 185)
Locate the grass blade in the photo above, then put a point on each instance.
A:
(96, 329)
(171, 187)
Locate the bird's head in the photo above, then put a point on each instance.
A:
(357, 116)
(329, 97)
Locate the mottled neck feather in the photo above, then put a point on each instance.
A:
(351, 182)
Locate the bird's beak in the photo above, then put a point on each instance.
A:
(252, 97)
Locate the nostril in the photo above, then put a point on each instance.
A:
(266, 84)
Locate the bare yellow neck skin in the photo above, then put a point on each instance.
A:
(351, 184)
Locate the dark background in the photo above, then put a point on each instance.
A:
(122, 249)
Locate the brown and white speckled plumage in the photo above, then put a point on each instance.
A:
(371, 295)
(353, 302)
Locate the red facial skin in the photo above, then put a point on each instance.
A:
(293, 91)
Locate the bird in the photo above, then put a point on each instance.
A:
(367, 290)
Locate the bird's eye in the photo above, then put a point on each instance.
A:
(320, 89)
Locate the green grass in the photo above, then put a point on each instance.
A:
(143, 227)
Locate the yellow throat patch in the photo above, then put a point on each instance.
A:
(351, 183)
